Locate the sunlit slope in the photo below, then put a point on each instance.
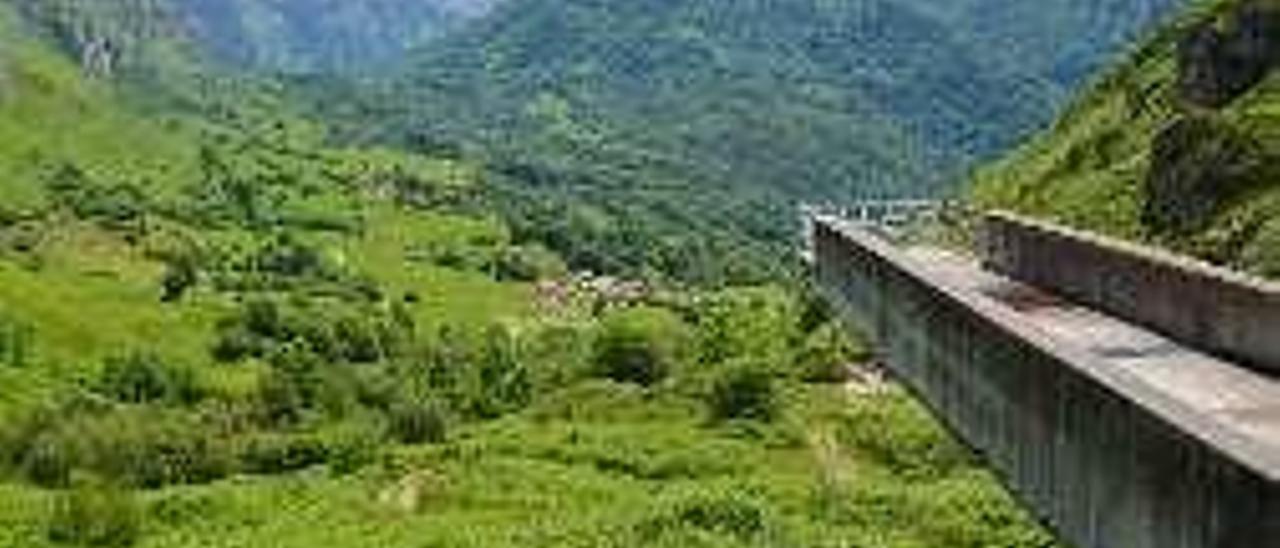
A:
(1176, 151)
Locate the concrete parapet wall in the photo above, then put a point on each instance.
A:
(1213, 309)
(1102, 463)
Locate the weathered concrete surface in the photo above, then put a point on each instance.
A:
(1115, 436)
(1209, 308)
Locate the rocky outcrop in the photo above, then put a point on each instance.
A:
(1198, 165)
(1218, 62)
(1200, 161)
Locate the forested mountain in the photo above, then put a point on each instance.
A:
(1179, 145)
(322, 35)
(294, 36)
(712, 117)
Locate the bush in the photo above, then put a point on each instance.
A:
(730, 514)
(15, 341)
(144, 378)
(96, 514)
(757, 323)
(352, 448)
(744, 391)
(528, 264)
(139, 447)
(640, 345)
(419, 422)
(281, 453)
(915, 449)
(501, 383)
(826, 354)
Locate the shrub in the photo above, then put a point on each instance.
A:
(15, 341)
(181, 274)
(140, 447)
(352, 448)
(744, 391)
(282, 398)
(916, 448)
(734, 514)
(740, 323)
(96, 514)
(501, 383)
(281, 453)
(419, 422)
(640, 345)
(143, 378)
(528, 264)
(826, 354)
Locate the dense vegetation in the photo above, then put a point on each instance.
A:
(697, 125)
(344, 36)
(218, 327)
(296, 36)
(1179, 145)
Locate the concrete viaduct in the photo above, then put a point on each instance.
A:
(1129, 398)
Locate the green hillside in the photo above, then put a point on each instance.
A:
(1179, 145)
(219, 328)
(698, 125)
(342, 36)
(293, 36)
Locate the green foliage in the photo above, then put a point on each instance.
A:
(529, 264)
(281, 453)
(757, 323)
(827, 352)
(15, 341)
(135, 446)
(145, 378)
(639, 346)
(1135, 158)
(382, 375)
(419, 422)
(915, 449)
(694, 127)
(744, 391)
(307, 36)
(96, 514)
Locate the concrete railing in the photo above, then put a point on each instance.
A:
(1215, 310)
(1106, 460)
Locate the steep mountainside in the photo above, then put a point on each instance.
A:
(1180, 145)
(321, 35)
(328, 36)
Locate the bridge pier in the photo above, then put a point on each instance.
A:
(1115, 436)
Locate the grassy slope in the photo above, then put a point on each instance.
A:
(605, 465)
(88, 293)
(1092, 167)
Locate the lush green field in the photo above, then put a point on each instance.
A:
(606, 464)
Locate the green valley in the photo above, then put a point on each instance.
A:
(221, 327)
(522, 273)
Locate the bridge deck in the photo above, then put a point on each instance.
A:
(1117, 436)
(1235, 408)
